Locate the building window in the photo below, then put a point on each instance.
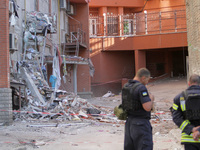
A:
(128, 26)
(93, 27)
(112, 25)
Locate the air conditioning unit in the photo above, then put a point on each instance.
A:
(11, 7)
(13, 41)
(71, 11)
(63, 4)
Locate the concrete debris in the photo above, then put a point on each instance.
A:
(39, 143)
(59, 125)
(93, 111)
(41, 125)
(37, 21)
(82, 114)
(109, 94)
(46, 103)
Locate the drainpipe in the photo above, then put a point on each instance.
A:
(24, 56)
(143, 6)
(59, 24)
(25, 13)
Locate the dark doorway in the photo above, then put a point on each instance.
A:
(179, 62)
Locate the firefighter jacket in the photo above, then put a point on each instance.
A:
(179, 117)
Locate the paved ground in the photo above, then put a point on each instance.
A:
(90, 134)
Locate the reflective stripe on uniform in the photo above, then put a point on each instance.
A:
(182, 101)
(184, 124)
(188, 138)
(175, 107)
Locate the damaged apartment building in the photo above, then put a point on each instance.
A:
(44, 54)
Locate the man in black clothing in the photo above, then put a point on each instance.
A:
(138, 130)
(186, 114)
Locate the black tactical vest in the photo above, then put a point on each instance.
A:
(192, 105)
(129, 102)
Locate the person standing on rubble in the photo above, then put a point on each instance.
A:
(186, 114)
(138, 102)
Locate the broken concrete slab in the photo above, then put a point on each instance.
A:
(32, 87)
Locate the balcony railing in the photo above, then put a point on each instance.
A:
(76, 33)
(138, 23)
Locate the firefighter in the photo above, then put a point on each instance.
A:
(138, 103)
(186, 113)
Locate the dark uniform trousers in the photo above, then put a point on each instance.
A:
(138, 134)
(192, 146)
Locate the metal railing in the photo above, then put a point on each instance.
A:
(82, 37)
(73, 40)
(76, 31)
(96, 25)
(138, 23)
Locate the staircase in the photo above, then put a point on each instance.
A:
(71, 48)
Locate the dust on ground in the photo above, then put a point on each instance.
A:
(99, 133)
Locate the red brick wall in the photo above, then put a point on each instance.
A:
(4, 44)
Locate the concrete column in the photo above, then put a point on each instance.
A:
(103, 12)
(5, 91)
(6, 116)
(75, 78)
(168, 62)
(50, 6)
(140, 59)
(120, 12)
(4, 42)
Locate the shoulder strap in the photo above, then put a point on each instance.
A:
(185, 94)
(183, 98)
(135, 85)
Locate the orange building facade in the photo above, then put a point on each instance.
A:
(127, 35)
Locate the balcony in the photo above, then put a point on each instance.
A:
(77, 34)
(117, 3)
(74, 40)
(138, 24)
(79, 1)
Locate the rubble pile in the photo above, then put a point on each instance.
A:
(66, 106)
(53, 104)
(37, 21)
